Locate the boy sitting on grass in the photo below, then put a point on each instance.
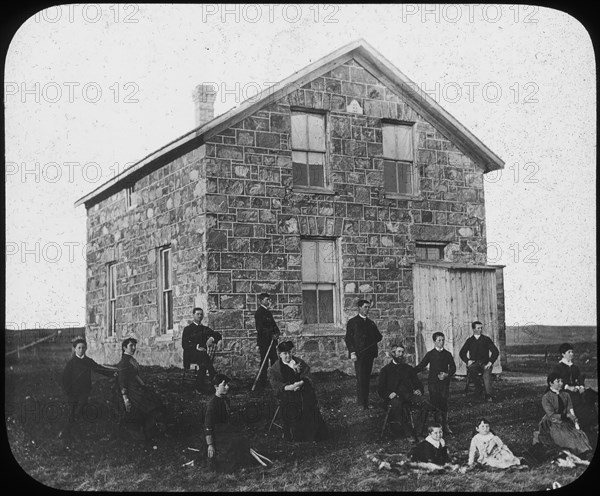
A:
(433, 448)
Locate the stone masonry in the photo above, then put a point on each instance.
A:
(234, 223)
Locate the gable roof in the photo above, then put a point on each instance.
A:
(358, 50)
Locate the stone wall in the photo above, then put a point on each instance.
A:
(256, 218)
(235, 223)
(168, 209)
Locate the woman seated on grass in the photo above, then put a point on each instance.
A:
(142, 412)
(226, 448)
(559, 427)
(585, 400)
(289, 377)
(489, 448)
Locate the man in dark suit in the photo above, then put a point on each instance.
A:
(362, 337)
(479, 353)
(266, 332)
(400, 387)
(196, 340)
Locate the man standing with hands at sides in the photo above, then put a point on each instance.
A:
(479, 353)
(267, 335)
(362, 337)
(441, 368)
(196, 339)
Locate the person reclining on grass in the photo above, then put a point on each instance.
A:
(77, 383)
(226, 448)
(433, 448)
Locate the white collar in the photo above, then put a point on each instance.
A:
(555, 392)
(266, 308)
(364, 317)
(436, 349)
(433, 442)
(291, 364)
(80, 357)
(562, 360)
(476, 336)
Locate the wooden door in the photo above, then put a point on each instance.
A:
(473, 298)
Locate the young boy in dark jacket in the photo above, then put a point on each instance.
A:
(77, 382)
(441, 368)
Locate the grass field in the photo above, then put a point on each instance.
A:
(100, 461)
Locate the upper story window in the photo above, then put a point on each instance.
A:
(430, 251)
(308, 149)
(111, 303)
(166, 290)
(399, 173)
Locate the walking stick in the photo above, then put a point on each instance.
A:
(262, 366)
(387, 415)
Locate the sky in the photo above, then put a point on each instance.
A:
(92, 88)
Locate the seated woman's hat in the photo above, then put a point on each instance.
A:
(284, 346)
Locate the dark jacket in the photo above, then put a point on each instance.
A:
(77, 375)
(571, 376)
(427, 452)
(280, 375)
(481, 350)
(399, 378)
(193, 335)
(362, 337)
(266, 327)
(438, 361)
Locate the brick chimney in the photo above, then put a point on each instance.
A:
(204, 103)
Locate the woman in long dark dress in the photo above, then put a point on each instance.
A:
(141, 411)
(559, 427)
(585, 400)
(289, 377)
(226, 448)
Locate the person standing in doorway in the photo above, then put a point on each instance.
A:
(362, 336)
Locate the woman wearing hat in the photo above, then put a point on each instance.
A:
(585, 400)
(289, 378)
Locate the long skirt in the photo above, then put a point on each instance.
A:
(147, 415)
(564, 435)
(301, 415)
(584, 405)
(232, 450)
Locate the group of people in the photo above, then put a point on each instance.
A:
(399, 386)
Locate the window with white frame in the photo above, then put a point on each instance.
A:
(111, 281)
(320, 288)
(166, 291)
(429, 250)
(399, 176)
(308, 149)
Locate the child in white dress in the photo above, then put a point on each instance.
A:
(489, 449)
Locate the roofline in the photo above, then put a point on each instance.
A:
(365, 54)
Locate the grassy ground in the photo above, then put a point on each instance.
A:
(99, 461)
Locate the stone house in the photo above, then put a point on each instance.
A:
(343, 181)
